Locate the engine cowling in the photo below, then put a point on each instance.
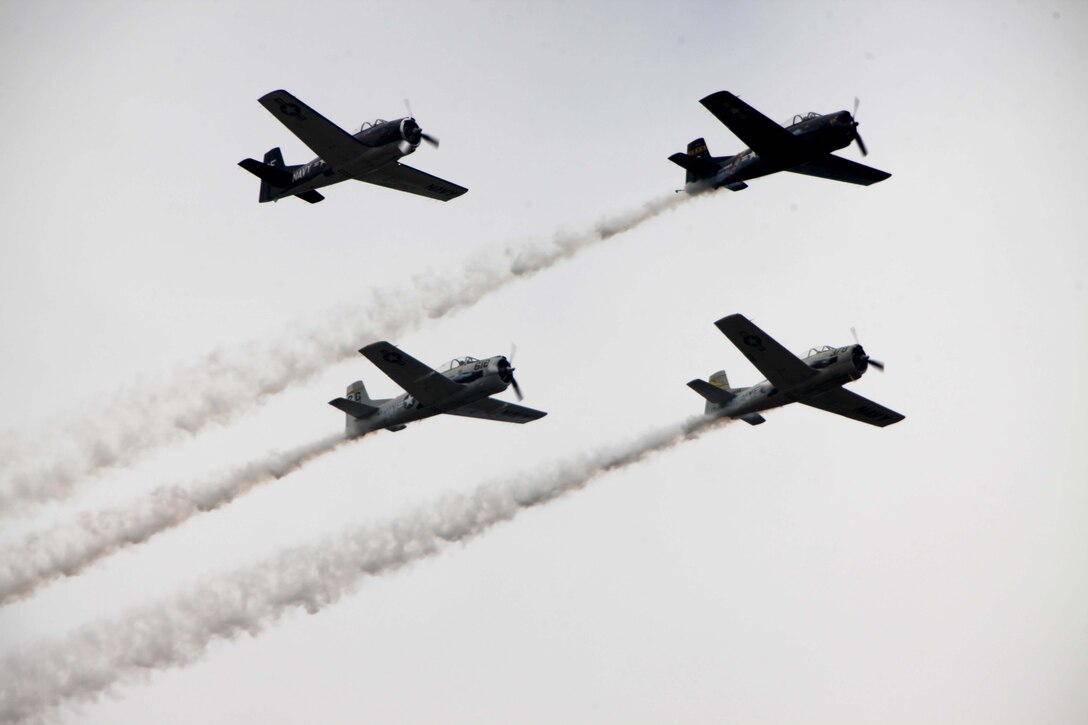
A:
(860, 360)
(410, 131)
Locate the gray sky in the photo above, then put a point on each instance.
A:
(809, 570)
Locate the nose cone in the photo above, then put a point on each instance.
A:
(860, 360)
(411, 132)
(506, 371)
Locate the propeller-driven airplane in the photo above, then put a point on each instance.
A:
(462, 386)
(370, 155)
(803, 147)
(815, 381)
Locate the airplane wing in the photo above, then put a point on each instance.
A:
(782, 368)
(762, 135)
(333, 144)
(491, 409)
(405, 178)
(852, 405)
(840, 169)
(423, 383)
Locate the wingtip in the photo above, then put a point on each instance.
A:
(735, 317)
(372, 346)
(715, 96)
(268, 95)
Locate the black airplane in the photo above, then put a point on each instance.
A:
(372, 154)
(803, 147)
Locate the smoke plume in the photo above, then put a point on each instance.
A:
(69, 548)
(227, 383)
(97, 658)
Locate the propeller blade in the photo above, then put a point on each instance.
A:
(861, 144)
(857, 102)
(854, 332)
(430, 139)
(877, 364)
(513, 349)
(408, 107)
(517, 388)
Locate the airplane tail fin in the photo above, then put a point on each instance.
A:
(697, 149)
(717, 392)
(719, 380)
(272, 173)
(356, 405)
(357, 392)
(697, 162)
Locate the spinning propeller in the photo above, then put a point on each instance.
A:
(857, 136)
(506, 372)
(425, 136)
(875, 363)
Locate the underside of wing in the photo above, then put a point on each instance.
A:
(491, 409)
(422, 382)
(840, 169)
(333, 144)
(781, 367)
(852, 405)
(762, 134)
(405, 178)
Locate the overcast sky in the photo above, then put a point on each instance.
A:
(810, 570)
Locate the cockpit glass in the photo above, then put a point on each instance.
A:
(457, 362)
(798, 118)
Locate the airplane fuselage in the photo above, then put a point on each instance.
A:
(834, 366)
(383, 143)
(820, 135)
(479, 379)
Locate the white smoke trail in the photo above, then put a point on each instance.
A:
(228, 383)
(69, 548)
(95, 659)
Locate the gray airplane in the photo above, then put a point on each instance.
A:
(462, 386)
(370, 155)
(815, 381)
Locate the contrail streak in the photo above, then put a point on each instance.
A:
(227, 383)
(96, 658)
(69, 548)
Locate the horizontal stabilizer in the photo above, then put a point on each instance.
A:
(354, 409)
(753, 419)
(311, 196)
(711, 392)
(701, 167)
(274, 176)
